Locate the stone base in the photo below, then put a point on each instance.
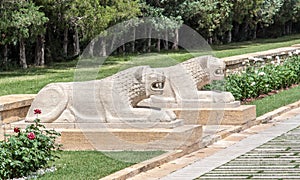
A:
(126, 125)
(14, 107)
(188, 103)
(131, 139)
(217, 116)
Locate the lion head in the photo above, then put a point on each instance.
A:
(204, 69)
(139, 83)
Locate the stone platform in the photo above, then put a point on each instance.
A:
(217, 116)
(14, 107)
(131, 136)
(132, 139)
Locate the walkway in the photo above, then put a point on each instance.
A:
(276, 159)
(253, 153)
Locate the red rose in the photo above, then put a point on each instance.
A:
(37, 111)
(16, 130)
(31, 135)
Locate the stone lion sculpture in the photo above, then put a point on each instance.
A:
(110, 100)
(184, 82)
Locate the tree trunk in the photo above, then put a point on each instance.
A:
(123, 48)
(48, 50)
(245, 30)
(149, 39)
(284, 29)
(289, 28)
(176, 40)
(229, 38)
(103, 45)
(42, 60)
(145, 41)
(37, 55)
(76, 42)
(91, 48)
(22, 54)
(166, 41)
(133, 41)
(112, 42)
(210, 40)
(5, 54)
(65, 43)
(254, 32)
(40, 51)
(158, 45)
(236, 32)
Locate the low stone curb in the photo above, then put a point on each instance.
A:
(271, 115)
(149, 164)
(169, 156)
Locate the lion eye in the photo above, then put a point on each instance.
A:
(219, 71)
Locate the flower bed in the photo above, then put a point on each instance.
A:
(261, 80)
(28, 150)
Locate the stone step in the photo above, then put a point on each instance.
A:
(93, 125)
(14, 107)
(132, 139)
(217, 116)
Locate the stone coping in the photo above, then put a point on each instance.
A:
(172, 155)
(273, 52)
(14, 101)
(14, 107)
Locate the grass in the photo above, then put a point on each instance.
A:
(275, 101)
(94, 164)
(255, 46)
(31, 80)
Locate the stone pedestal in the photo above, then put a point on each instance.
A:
(126, 136)
(14, 107)
(132, 139)
(217, 116)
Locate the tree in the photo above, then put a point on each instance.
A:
(92, 17)
(23, 20)
(208, 16)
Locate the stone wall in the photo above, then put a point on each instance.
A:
(239, 63)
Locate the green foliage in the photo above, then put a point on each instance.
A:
(27, 151)
(20, 20)
(208, 16)
(93, 17)
(256, 81)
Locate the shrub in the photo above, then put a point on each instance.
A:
(258, 80)
(27, 150)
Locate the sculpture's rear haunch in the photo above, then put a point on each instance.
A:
(112, 99)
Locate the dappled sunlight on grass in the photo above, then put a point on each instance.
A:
(33, 79)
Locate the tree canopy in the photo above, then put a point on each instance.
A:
(38, 32)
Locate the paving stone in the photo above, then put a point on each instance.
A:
(264, 135)
(258, 135)
(275, 162)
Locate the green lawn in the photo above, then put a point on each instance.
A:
(275, 101)
(33, 79)
(94, 164)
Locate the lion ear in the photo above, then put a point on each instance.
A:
(204, 61)
(139, 74)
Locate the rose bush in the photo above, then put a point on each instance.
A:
(28, 150)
